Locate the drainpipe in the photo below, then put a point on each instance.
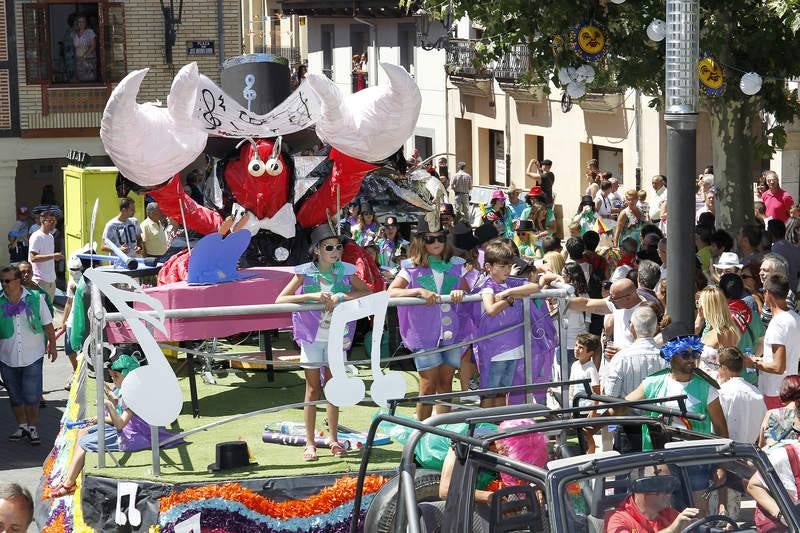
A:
(221, 32)
(638, 118)
(372, 70)
(508, 139)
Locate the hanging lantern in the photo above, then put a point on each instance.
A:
(657, 30)
(712, 77)
(589, 40)
(563, 76)
(584, 74)
(751, 83)
(576, 89)
(618, 1)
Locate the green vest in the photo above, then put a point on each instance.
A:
(655, 386)
(34, 319)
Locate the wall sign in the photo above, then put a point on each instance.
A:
(200, 48)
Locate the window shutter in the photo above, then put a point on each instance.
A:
(35, 35)
(114, 43)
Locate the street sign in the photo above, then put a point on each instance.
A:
(200, 48)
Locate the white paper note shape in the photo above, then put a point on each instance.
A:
(190, 525)
(133, 516)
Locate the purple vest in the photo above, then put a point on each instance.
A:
(135, 435)
(306, 323)
(424, 327)
(507, 317)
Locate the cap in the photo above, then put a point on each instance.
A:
(497, 194)
(524, 225)
(728, 260)
(390, 221)
(322, 232)
(74, 263)
(22, 210)
(547, 162)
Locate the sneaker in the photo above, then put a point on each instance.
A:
(33, 435)
(42, 404)
(19, 434)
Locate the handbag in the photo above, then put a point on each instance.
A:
(766, 523)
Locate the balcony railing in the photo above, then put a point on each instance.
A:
(461, 59)
(290, 53)
(514, 64)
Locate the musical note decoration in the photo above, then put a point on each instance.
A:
(249, 93)
(151, 391)
(190, 525)
(342, 390)
(133, 516)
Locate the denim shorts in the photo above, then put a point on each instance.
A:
(23, 383)
(68, 343)
(450, 357)
(501, 373)
(89, 442)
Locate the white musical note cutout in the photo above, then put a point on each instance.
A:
(342, 390)
(151, 391)
(133, 517)
(190, 525)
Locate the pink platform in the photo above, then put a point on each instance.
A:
(263, 288)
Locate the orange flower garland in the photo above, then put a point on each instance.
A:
(341, 492)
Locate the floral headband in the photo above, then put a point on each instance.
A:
(678, 345)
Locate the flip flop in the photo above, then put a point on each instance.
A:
(336, 448)
(62, 490)
(310, 453)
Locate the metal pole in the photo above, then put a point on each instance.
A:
(97, 331)
(681, 118)
(526, 346)
(154, 449)
(563, 356)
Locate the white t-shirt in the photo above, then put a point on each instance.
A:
(784, 329)
(604, 209)
(622, 324)
(744, 409)
(678, 388)
(580, 370)
(780, 460)
(576, 324)
(514, 353)
(25, 347)
(43, 244)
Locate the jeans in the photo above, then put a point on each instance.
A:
(501, 373)
(23, 383)
(451, 357)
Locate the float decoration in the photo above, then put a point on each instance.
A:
(712, 77)
(589, 40)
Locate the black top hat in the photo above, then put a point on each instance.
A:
(463, 238)
(423, 227)
(322, 232)
(231, 455)
(586, 200)
(391, 220)
(486, 232)
(524, 225)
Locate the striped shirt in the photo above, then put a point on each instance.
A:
(461, 182)
(628, 368)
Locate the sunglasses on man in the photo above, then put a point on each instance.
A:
(6, 281)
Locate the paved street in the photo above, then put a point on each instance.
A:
(19, 461)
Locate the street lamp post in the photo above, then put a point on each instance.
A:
(682, 89)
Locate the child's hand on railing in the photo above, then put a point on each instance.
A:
(430, 297)
(457, 296)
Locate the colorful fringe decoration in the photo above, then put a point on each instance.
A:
(230, 507)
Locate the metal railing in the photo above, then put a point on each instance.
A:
(462, 61)
(99, 318)
(515, 64)
(290, 53)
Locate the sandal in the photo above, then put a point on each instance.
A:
(310, 453)
(61, 490)
(337, 450)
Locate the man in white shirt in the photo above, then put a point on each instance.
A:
(632, 364)
(742, 403)
(154, 235)
(26, 334)
(659, 197)
(123, 230)
(781, 341)
(42, 255)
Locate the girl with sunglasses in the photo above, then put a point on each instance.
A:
(430, 271)
(365, 232)
(329, 281)
(389, 243)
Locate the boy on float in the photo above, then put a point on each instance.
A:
(328, 281)
(499, 357)
(429, 272)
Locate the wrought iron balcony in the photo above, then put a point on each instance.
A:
(290, 53)
(514, 64)
(462, 59)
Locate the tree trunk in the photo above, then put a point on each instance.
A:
(732, 149)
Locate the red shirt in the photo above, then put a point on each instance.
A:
(627, 518)
(777, 205)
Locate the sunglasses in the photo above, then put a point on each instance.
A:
(8, 280)
(523, 233)
(332, 247)
(689, 355)
(430, 239)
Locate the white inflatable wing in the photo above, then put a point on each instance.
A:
(371, 124)
(149, 143)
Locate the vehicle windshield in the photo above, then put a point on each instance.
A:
(653, 497)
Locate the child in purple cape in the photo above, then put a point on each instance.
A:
(501, 357)
(126, 432)
(430, 271)
(328, 281)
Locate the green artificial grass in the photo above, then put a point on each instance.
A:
(241, 393)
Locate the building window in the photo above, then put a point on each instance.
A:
(359, 43)
(74, 43)
(424, 146)
(497, 158)
(406, 41)
(327, 49)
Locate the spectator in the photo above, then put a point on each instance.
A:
(708, 205)
(705, 184)
(67, 319)
(782, 423)
(777, 202)
(706, 219)
(702, 240)
(592, 178)
(575, 249)
(551, 243)
(192, 187)
(43, 256)
(603, 204)
(773, 264)
(746, 319)
(748, 239)
(577, 322)
(154, 236)
(447, 215)
(630, 219)
(649, 274)
(715, 326)
(790, 252)
(781, 341)
(648, 508)
(721, 242)
(742, 403)
(23, 224)
(543, 177)
(499, 215)
(16, 508)
(760, 213)
(587, 346)
(444, 175)
(659, 183)
(17, 251)
(516, 205)
(662, 254)
(585, 216)
(26, 335)
(462, 186)
(635, 362)
(123, 230)
(621, 303)
(614, 195)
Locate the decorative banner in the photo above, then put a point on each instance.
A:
(589, 40)
(219, 114)
(127, 489)
(712, 78)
